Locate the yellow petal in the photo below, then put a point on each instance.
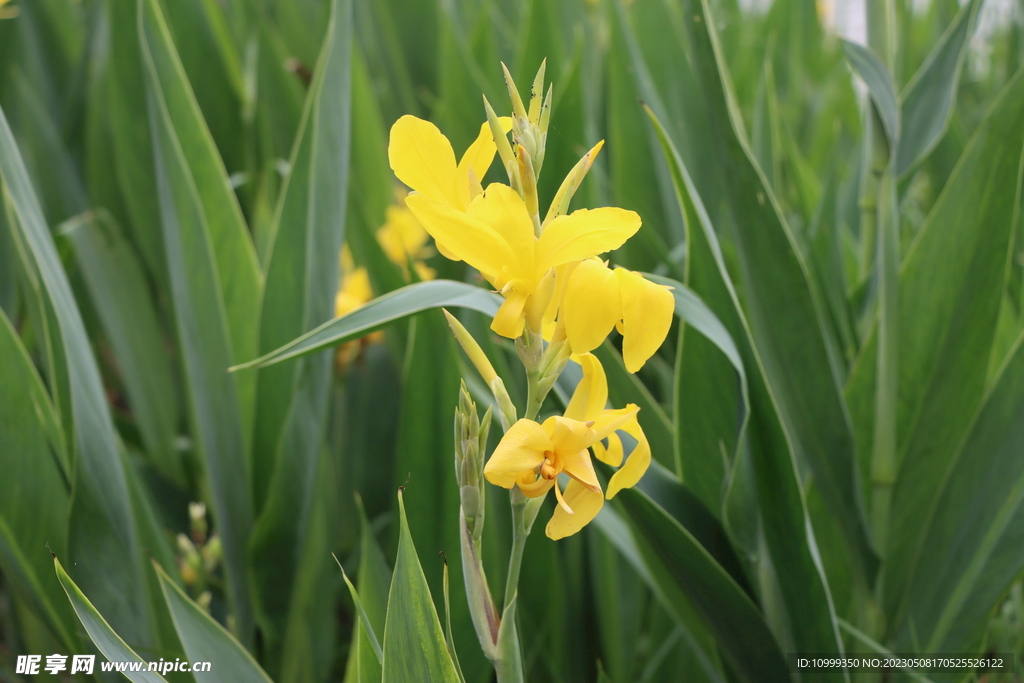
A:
(568, 437)
(585, 233)
(611, 455)
(611, 420)
(423, 159)
(647, 311)
(562, 275)
(581, 468)
(510, 320)
(479, 156)
(591, 393)
(465, 237)
(591, 306)
(537, 305)
(636, 464)
(502, 209)
(585, 505)
(519, 451)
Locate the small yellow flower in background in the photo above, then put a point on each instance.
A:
(404, 239)
(598, 298)
(7, 12)
(531, 455)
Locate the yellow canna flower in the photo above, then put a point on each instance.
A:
(598, 298)
(532, 455)
(495, 236)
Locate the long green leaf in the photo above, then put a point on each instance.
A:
(34, 491)
(775, 488)
(679, 563)
(101, 536)
(302, 279)
(786, 329)
(872, 71)
(974, 545)
(102, 635)
(121, 297)
(381, 312)
(950, 287)
(205, 640)
(374, 581)
(414, 644)
(926, 103)
(236, 268)
(214, 286)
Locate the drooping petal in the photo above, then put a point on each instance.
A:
(612, 420)
(509, 320)
(585, 233)
(422, 158)
(591, 306)
(591, 394)
(579, 467)
(479, 156)
(636, 464)
(647, 311)
(464, 237)
(519, 451)
(611, 455)
(568, 437)
(585, 504)
(502, 209)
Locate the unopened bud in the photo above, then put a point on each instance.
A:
(213, 553)
(472, 349)
(198, 524)
(469, 460)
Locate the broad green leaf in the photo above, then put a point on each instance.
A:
(234, 257)
(309, 650)
(772, 464)
(381, 312)
(214, 289)
(371, 182)
(205, 640)
(102, 635)
(696, 314)
(927, 101)
(974, 545)
(102, 537)
(680, 564)
(212, 66)
(414, 645)
(302, 280)
(120, 294)
(950, 287)
(374, 579)
(430, 389)
(786, 330)
(877, 78)
(34, 491)
(133, 151)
